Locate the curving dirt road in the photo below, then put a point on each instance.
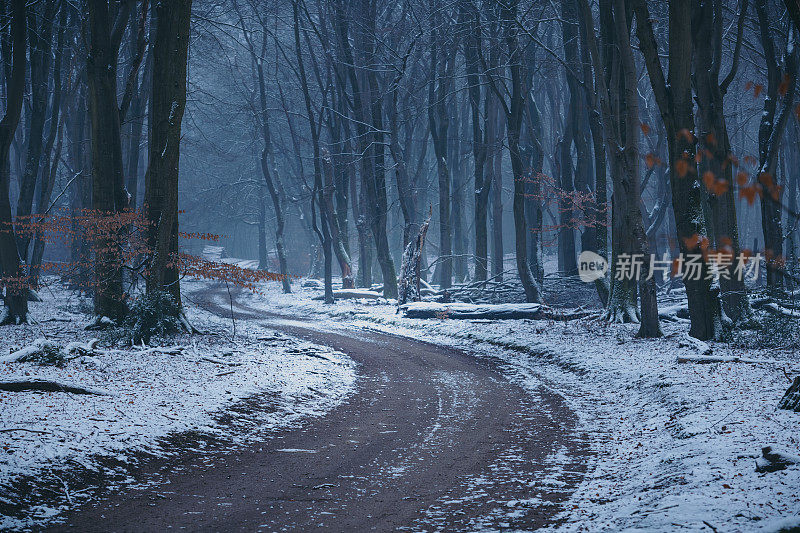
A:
(433, 439)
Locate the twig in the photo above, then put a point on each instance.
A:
(9, 430)
(230, 299)
(66, 489)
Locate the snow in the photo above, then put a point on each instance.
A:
(675, 444)
(155, 394)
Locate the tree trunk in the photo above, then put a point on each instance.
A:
(40, 31)
(317, 194)
(109, 197)
(170, 55)
(533, 292)
(494, 170)
(136, 125)
(439, 122)
(16, 301)
(472, 50)
(716, 168)
(674, 98)
(48, 169)
(269, 180)
(770, 136)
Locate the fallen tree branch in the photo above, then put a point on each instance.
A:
(49, 386)
(349, 294)
(469, 311)
(780, 310)
(219, 361)
(24, 353)
(726, 359)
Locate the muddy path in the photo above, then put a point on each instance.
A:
(432, 439)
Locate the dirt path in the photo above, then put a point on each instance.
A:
(432, 439)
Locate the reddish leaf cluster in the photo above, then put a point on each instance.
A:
(568, 201)
(123, 235)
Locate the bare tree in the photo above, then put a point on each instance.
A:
(781, 87)
(674, 98)
(13, 46)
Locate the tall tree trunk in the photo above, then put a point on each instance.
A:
(716, 168)
(79, 151)
(48, 169)
(598, 216)
(317, 195)
(472, 52)
(494, 170)
(170, 57)
(575, 133)
(40, 31)
(136, 121)
(109, 196)
(674, 98)
(508, 10)
(770, 136)
(439, 122)
(16, 301)
(458, 185)
(269, 179)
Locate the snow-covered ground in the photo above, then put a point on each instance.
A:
(49, 435)
(675, 443)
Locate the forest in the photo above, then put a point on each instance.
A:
(571, 228)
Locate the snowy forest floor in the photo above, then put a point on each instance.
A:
(675, 443)
(217, 392)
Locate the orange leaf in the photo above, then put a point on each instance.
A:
(741, 179)
(783, 88)
(681, 167)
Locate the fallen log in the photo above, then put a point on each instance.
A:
(690, 342)
(674, 311)
(772, 460)
(470, 311)
(726, 359)
(780, 310)
(350, 294)
(49, 386)
(38, 346)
